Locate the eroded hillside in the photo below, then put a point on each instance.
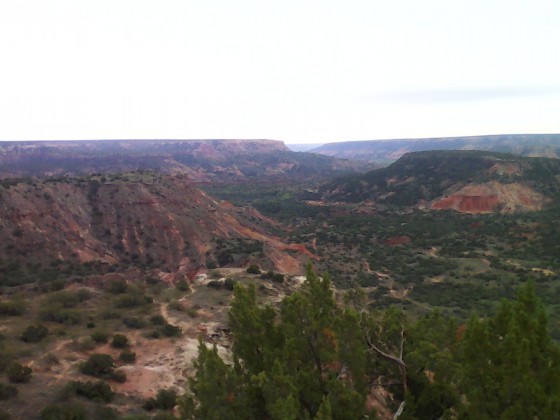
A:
(136, 220)
(465, 181)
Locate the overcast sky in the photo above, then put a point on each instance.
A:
(294, 70)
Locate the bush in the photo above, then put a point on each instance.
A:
(69, 299)
(34, 333)
(183, 286)
(98, 365)
(229, 283)
(129, 301)
(7, 391)
(171, 330)
(253, 269)
(86, 344)
(18, 373)
(106, 413)
(56, 312)
(158, 320)
(120, 341)
(100, 337)
(63, 411)
(128, 356)
(117, 287)
(164, 400)
(278, 278)
(175, 305)
(192, 312)
(96, 391)
(216, 284)
(134, 322)
(118, 376)
(12, 308)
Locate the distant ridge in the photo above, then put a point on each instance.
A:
(202, 160)
(388, 151)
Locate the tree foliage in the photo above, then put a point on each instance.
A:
(511, 366)
(315, 357)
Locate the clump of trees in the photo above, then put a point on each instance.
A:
(318, 358)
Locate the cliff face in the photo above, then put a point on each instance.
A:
(156, 222)
(202, 160)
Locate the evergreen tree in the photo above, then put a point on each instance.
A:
(511, 366)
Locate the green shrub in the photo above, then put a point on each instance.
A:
(103, 412)
(278, 278)
(18, 373)
(215, 284)
(100, 337)
(120, 341)
(253, 269)
(132, 300)
(98, 365)
(7, 391)
(164, 400)
(134, 322)
(96, 391)
(69, 299)
(171, 330)
(34, 333)
(118, 376)
(229, 283)
(128, 356)
(63, 411)
(56, 312)
(153, 334)
(158, 320)
(176, 306)
(117, 287)
(12, 308)
(192, 312)
(183, 286)
(86, 344)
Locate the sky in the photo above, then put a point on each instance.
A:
(302, 71)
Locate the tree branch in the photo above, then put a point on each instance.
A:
(400, 363)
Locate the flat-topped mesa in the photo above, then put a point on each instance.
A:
(203, 160)
(387, 151)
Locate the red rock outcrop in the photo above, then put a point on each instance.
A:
(491, 197)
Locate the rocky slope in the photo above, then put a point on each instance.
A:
(202, 160)
(134, 220)
(387, 151)
(465, 181)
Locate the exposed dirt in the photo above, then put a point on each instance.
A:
(491, 197)
(398, 240)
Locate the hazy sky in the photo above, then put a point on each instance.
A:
(299, 71)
